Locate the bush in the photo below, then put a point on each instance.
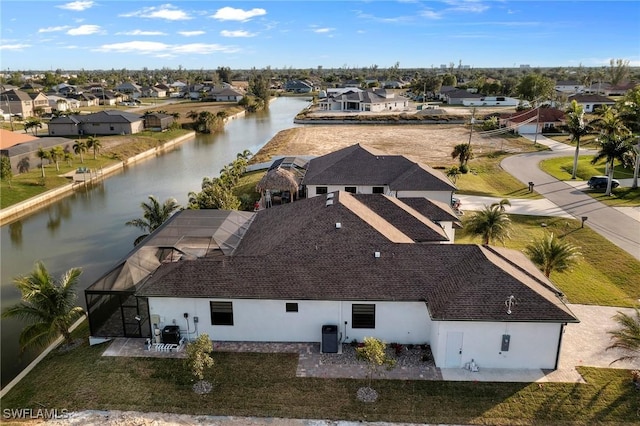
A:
(464, 169)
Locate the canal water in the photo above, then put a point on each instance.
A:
(86, 229)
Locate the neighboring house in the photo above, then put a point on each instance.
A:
(590, 103)
(61, 103)
(86, 99)
(370, 100)
(492, 101)
(16, 102)
(109, 98)
(225, 95)
(368, 264)
(459, 97)
(65, 89)
(41, 101)
(608, 89)
(22, 149)
(157, 121)
(569, 86)
(153, 92)
(298, 86)
(130, 89)
(531, 122)
(364, 170)
(109, 122)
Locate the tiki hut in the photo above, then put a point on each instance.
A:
(277, 180)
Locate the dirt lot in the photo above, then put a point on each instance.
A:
(429, 144)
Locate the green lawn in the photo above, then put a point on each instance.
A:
(562, 167)
(30, 184)
(605, 275)
(264, 385)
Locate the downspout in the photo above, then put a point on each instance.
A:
(562, 326)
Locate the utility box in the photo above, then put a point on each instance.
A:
(506, 339)
(330, 339)
(171, 334)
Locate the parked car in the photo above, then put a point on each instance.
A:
(600, 182)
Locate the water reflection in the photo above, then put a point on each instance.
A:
(15, 233)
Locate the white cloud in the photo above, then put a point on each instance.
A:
(53, 29)
(428, 13)
(84, 30)
(238, 33)
(190, 33)
(77, 6)
(472, 6)
(18, 46)
(323, 30)
(165, 50)
(231, 14)
(165, 11)
(141, 33)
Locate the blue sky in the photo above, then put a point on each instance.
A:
(106, 34)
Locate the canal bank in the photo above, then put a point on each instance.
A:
(86, 227)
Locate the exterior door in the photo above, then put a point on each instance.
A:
(453, 355)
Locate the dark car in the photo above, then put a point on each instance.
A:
(600, 182)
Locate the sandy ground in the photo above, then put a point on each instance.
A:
(430, 144)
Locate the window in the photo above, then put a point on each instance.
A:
(378, 189)
(221, 313)
(321, 190)
(351, 189)
(291, 307)
(363, 316)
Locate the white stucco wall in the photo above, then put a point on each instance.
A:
(442, 196)
(532, 345)
(267, 320)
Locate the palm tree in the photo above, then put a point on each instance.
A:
(68, 157)
(453, 173)
(627, 337)
(612, 147)
(80, 147)
(33, 123)
(577, 128)
(464, 153)
(155, 214)
(501, 204)
(48, 305)
(56, 154)
(42, 155)
(491, 224)
(95, 144)
(610, 122)
(550, 254)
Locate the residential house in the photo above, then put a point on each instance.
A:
(86, 99)
(367, 264)
(533, 121)
(591, 102)
(153, 92)
(360, 169)
(569, 86)
(226, 94)
(40, 102)
(61, 103)
(108, 122)
(16, 102)
(608, 89)
(132, 90)
(22, 149)
(298, 86)
(459, 97)
(370, 100)
(504, 101)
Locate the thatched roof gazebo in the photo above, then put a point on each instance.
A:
(278, 180)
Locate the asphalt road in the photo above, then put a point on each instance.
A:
(617, 227)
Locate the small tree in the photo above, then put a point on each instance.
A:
(453, 173)
(199, 356)
(5, 169)
(374, 352)
(549, 254)
(464, 153)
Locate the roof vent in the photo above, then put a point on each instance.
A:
(329, 203)
(376, 254)
(329, 195)
(338, 225)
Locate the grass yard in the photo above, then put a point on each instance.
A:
(562, 167)
(115, 148)
(605, 275)
(264, 385)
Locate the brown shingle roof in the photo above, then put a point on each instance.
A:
(362, 165)
(296, 252)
